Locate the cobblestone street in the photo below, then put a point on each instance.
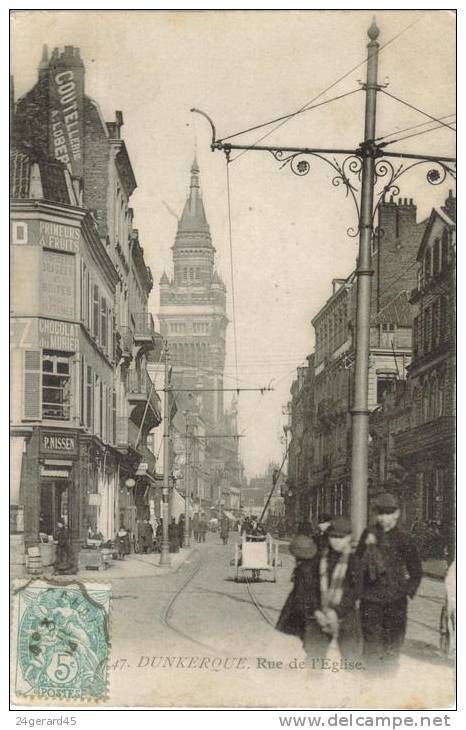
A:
(207, 640)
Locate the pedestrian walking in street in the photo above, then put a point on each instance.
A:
(202, 530)
(333, 626)
(122, 543)
(391, 571)
(173, 536)
(297, 610)
(224, 529)
(181, 530)
(196, 529)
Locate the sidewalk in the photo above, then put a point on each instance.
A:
(133, 566)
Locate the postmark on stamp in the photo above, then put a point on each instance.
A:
(60, 641)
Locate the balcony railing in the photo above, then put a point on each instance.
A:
(144, 330)
(139, 389)
(126, 340)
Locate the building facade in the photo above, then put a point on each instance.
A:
(320, 462)
(414, 430)
(72, 183)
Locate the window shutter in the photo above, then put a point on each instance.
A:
(32, 385)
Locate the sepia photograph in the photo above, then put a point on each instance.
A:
(233, 359)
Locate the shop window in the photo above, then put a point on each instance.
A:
(56, 386)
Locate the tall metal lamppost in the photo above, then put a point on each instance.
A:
(360, 171)
(186, 541)
(165, 548)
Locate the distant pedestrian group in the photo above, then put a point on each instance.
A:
(352, 603)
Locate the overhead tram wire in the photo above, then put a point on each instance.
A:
(311, 101)
(415, 134)
(414, 126)
(289, 116)
(411, 106)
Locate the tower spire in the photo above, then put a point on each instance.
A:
(44, 61)
(193, 228)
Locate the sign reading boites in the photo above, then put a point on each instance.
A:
(57, 285)
(58, 442)
(54, 335)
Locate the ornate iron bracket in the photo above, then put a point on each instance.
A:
(348, 171)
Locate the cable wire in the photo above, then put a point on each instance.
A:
(414, 126)
(288, 116)
(311, 101)
(416, 134)
(411, 106)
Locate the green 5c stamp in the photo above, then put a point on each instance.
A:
(60, 641)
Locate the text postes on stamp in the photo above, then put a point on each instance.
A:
(60, 641)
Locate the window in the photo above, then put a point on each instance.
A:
(436, 257)
(56, 386)
(415, 336)
(445, 247)
(185, 274)
(20, 233)
(96, 311)
(198, 273)
(427, 330)
(383, 386)
(444, 333)
(89, 399)
(435, 323)
(104, 322)
(427, 265)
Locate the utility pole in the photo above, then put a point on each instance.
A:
(165, 549)
(360, 170)
(359, 411)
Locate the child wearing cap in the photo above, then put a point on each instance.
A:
(333, 615)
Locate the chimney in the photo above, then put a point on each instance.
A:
(43, 66)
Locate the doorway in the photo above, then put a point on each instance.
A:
(54, 504)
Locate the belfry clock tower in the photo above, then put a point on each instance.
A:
(192, 312)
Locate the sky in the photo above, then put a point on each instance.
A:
(243, 68)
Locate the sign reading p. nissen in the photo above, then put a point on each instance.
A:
(55, 335)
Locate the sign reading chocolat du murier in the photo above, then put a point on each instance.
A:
(66, 110)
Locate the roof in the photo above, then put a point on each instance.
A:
(193, 229)
(397, 311)
(447, 214)
(35, 176)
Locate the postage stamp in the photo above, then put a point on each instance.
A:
(60, 641)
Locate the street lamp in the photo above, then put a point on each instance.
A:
(360, 170)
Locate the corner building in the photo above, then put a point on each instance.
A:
(72, 195)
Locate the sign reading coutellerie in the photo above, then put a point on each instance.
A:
(55, 335)
(58, 442)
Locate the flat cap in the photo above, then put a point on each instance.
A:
(385, 503)
(303, 547)
(339, 527)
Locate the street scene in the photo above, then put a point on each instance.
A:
(233, 359)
